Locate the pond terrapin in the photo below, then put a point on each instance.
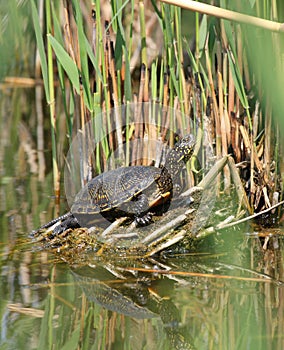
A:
(136, 192)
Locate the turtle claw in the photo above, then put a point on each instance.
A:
(144, 220)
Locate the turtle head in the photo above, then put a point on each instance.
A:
(180, 154)
(184, 148)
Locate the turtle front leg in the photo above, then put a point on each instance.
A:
(138, 207)
(142, 216)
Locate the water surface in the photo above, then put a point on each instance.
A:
(224, 294)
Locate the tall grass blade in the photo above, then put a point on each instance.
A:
(93, 59)
(52, 113)
(127, 78)
(66, 61)
(83, 55)
(237, 80)
(41, 49)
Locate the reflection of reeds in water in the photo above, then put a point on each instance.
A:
(217, 304)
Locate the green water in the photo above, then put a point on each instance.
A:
(225, 294)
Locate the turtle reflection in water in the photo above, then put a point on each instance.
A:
(136, 192)
(138, 298)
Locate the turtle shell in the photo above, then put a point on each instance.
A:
(129, 190)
